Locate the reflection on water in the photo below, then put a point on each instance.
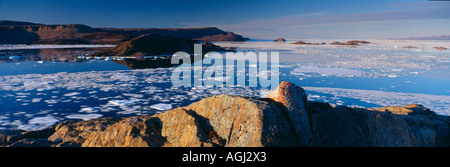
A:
(46, 61)
(59, 55)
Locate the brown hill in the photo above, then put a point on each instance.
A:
(155, 44)
(196, 33)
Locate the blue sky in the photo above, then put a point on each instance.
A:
(291, 19)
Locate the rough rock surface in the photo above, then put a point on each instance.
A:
(286, 118)
(223, 120)
(241, 121)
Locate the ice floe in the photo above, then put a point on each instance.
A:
(84, 116)
(123, 102)
(72, 94)
(90, 109)
(162, 106)
(38, 123)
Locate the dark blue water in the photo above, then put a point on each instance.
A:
(410, 84)
(49, 67)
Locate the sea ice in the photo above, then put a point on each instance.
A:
(51, 101)
(72, 94)
(35, 100)
(162, 106)
(325, 71)
(133, 95)
(84, 116)
(90, 109)
(123, 102)
(38, 123)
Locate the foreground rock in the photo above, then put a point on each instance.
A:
(286, 118)
(292, 99)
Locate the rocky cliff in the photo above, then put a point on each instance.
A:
(285, 118)
(27, 33)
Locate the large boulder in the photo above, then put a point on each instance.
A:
(175, 128)
(74, 133)
(292, 99)
(223, 120)
(243, 121)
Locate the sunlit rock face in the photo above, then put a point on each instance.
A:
(293, 100)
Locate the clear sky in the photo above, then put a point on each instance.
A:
(291, 19)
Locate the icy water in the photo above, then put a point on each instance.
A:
(40, 88)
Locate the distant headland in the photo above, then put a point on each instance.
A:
(17, 32)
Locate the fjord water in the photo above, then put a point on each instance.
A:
(37, 91)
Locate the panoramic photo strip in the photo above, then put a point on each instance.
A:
(178, 76)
